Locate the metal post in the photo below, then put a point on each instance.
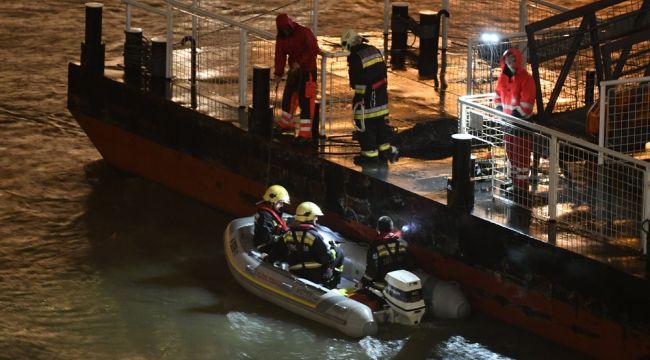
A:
(323, 95)
(428, 54)
(445, 25)
(523, 15)
(443, 50)
(470, 65)
(646, 209)
(243, 66)
(386, 24)
(195, 25)
(261, 113)
(602, 119)
(460, 190)
(127, 23)
(133, 53)
(92, 49)
(193, 66)
(399, 27)
(314, 17)
(553, 155)
(590, 83)
(170, 41)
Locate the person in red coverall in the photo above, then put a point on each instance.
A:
(387, 252)
(299, 45)
(516, 93)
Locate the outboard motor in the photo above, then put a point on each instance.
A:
(403, 293)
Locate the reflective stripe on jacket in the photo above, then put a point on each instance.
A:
(518, 91)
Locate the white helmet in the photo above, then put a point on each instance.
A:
(350, 38)
(276, 193)
(307, 211)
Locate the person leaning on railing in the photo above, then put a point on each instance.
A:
(515, 95)
(297, 45)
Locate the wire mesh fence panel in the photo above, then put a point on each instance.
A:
(338, 97)
(604, 200)
(627, 114)
(588, 190)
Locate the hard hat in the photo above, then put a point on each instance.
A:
(307, 211)
(385, 224)
(276, 193)
(349, 39)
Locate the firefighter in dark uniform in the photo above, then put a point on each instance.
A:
(269, 225)
(309, 256)
(368, 78)
(388, 252)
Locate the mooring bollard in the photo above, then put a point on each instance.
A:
(260, 120)
(460, 189)
(160, 85)
(133, 52)
(428, 56)
(399, 28)
(92, 49)
(158, 63)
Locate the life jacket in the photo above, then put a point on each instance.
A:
(280, 225)
(518, 91)
(387, 253)
(306, 247)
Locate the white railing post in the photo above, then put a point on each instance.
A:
(243, 67)
(127, 24)
(170, 42)
(323, 95)
(470, 60)
(314, 17)
(601, 119)
(554, 157)
(462, 126)
(523, 15)
(195, 26)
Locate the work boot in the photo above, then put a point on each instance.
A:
(278, 131)
(392, 154)
(302, 140)
(368, 161)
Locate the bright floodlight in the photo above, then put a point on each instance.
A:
(490, 38)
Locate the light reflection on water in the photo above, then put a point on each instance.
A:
(97, 264)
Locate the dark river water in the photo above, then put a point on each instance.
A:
(98, 264)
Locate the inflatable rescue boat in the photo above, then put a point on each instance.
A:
(403, 300)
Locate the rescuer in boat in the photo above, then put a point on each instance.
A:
(299, 44)
(368, 77)
(387, 252)
(308, 255)
(269, 224)
(515, 95)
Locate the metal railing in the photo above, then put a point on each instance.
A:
(584, 187)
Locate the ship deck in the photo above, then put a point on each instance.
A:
(428, 178)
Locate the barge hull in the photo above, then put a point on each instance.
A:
(572, 300)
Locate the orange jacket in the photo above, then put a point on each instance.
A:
(515, 91)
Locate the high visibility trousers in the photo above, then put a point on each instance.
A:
(518, 150)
